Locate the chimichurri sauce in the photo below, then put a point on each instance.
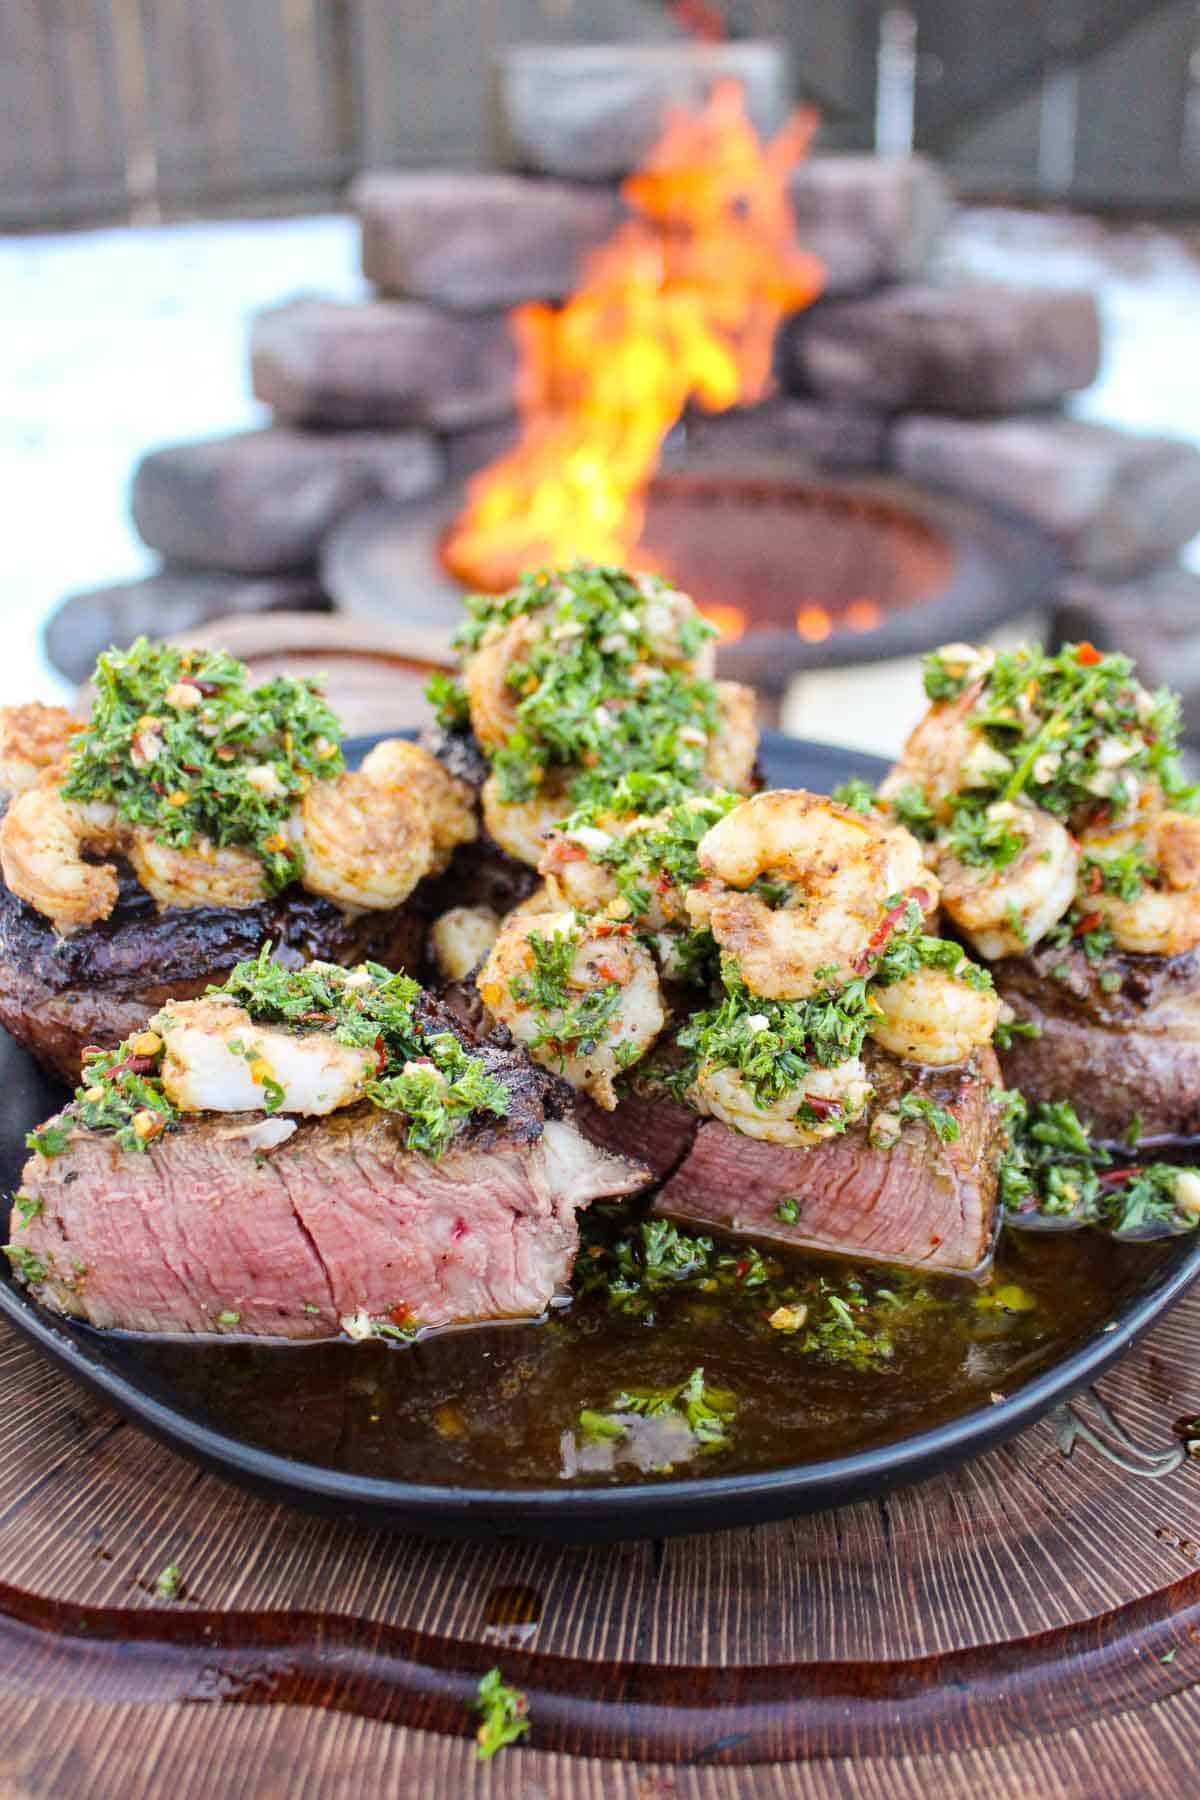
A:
(500, 1405)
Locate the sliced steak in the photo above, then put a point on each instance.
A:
(921, 1204)
(99, 984)
(1119, 1039)
(655, 1129)
(207, 1231)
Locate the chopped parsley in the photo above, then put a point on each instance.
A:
(773, 1044)
(183, 746)
(634, 1265)
(942, 1123)
(1053, 1168)
(28, 1265)
(594, 693)
(856, 793)
(788, 1210)
(708, 1412)
(1124, 873)
(423, 1074)
(168, 1582)
(504, 1715)
(448, 697)
(1068, 731)
(48, 1140)
(656, 854)
(984, 836)
(572, 1020)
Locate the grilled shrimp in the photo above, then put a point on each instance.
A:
(218, 1059)
(1164, 918)
(522, 826)
(934, 1016)
(837, 871)
(572, 879)
(590, 1034)
(843, 1091)
(492, 701)
(1004, 911)
(364, 843)
(732, 751)
(42, 841)
(461, 938)
(665, 617)
(199, 874)
(447, 803)
(33, 739)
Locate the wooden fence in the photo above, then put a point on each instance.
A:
(114, 109)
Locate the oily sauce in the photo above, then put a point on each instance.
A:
(499, 1405)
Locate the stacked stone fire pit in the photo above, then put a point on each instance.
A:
(381, 408)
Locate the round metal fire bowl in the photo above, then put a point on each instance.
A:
(897, 569)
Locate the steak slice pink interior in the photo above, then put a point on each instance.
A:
(206, 1232)
(922, 1204)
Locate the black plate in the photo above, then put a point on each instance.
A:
(121, 1369)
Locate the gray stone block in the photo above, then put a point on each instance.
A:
(971, 349)
(260, 502)
(870, 218)
(476, 241)
(827, 437)
(1115, 502)
(591, 111)
(1155, 619)
(165, 605)
(381, 362)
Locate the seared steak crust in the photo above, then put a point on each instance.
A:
(97, 985)
(921, 1204)
(1127, 1050)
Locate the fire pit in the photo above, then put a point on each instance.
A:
(800, 573)
(797, 571)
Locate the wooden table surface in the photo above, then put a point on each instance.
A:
(1028, 1625)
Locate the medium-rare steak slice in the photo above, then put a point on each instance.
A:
(339, 1227)
(1118, 1038)
(923, 1203)
(98, 984)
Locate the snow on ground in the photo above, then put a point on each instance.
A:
(115, 341)
(118, 340)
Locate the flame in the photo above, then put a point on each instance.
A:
(681, 303)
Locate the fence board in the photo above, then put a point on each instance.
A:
(61, 130)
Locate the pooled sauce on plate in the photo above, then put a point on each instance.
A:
(499, 1405)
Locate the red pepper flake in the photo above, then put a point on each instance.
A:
(1113, 1177)
(1089, 922)
(742, 1269)
(380, 1049)
(612, 928)
(887, 926)
(1095, 879)
(461, 1228)
(824, 1109)
(1087, 655)
(606, 971)
(399, 1314)
(563, 852)
(934, 1241)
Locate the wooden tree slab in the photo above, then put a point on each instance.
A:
(1026, 1625)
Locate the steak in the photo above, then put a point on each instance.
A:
(1119, 1039)
(99, 984)
(921, 1204)
(210, 1231)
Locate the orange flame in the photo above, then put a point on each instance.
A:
(682, 302)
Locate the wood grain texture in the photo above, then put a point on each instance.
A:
(1028, 1625)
